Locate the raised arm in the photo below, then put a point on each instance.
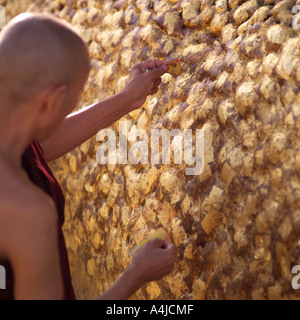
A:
(80, 126)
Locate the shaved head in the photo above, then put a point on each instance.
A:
(38, 51)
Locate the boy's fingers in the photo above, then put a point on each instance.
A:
(168, 245)
(158, 72)
(151, 64)
(156, 243)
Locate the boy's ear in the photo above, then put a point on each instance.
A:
(52, 99)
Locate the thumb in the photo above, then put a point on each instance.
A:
(158, 72)
(156, 243)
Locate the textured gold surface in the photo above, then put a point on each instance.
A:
(237, 225)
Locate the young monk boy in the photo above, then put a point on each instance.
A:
(44, 65)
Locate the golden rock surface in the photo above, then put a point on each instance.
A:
(237, 225)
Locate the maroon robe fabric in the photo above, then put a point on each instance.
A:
(34, 163)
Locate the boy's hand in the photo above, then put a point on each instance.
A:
(154, 260)
(151, 262)
(143, 83)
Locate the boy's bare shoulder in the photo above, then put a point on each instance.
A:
(24, 208)
(18, 192)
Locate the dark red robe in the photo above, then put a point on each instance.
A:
(34, 163)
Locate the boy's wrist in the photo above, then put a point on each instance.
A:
(134, 274)
(127, 95)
